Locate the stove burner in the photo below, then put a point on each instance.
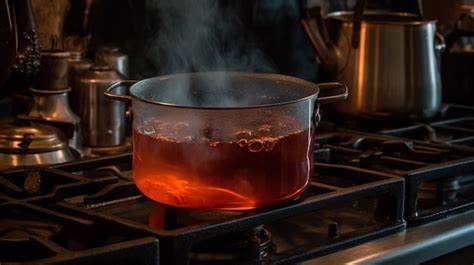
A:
(438, 177)
(252, 245)
(30, 233)
(19, 234)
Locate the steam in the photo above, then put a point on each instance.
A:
(207, 36)
(200, 36)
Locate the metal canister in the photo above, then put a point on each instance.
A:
(77, 65)
(50, 95)
(102, 120)
(53, 74)
(111, 56)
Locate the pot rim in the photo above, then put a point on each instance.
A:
(314, 88)
(344, 16)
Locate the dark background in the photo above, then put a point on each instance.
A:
(272, 26)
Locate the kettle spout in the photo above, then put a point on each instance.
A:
(313, 25)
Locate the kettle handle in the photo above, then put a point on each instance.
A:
(314, 27)
(124, 98)
(331, 92)
(357, 20)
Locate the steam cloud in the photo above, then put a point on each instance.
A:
(204, 35)
(201, 36)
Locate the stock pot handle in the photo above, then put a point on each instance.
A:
(440, 42)
(109, 91)
(331, 92)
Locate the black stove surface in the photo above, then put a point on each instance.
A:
(435, 157)
(453, 126)
(90, 211)
(439, 180)
(370, 177)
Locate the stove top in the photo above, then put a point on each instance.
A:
(372, 181)
(439, 181)
(88, 211)
(453, 126)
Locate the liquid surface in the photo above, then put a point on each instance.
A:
(252, 171)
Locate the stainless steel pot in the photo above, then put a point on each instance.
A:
(393, 72)
(111, 56)
(224, 140)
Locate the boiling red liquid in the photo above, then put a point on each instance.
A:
(223, 175)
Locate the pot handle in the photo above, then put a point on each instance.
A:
(440, 42)
(109, 94)
(331, 92)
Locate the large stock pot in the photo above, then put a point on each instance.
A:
(392, 72)
(224, 140)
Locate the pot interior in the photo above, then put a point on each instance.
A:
(223, 90)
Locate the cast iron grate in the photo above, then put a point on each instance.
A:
(453, 126)
(31, 234)
(344, 206)
(457, 132)
(439, 178)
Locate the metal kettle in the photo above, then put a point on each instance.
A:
(391, 68)
(27, 143)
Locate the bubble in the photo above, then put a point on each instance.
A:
(242, 142)
(245, 134)
(148, 129)
(264, 129)
(255, 145)
(213, 143)
(268, 144)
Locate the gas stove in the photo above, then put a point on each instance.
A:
(90, 211)
(388, 195)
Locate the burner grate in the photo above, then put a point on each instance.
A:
(438, 178)
(454, 126)
(329, 216)
(51, 236)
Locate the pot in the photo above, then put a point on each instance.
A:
(111, 56)
(393, 70)
(224, 140)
